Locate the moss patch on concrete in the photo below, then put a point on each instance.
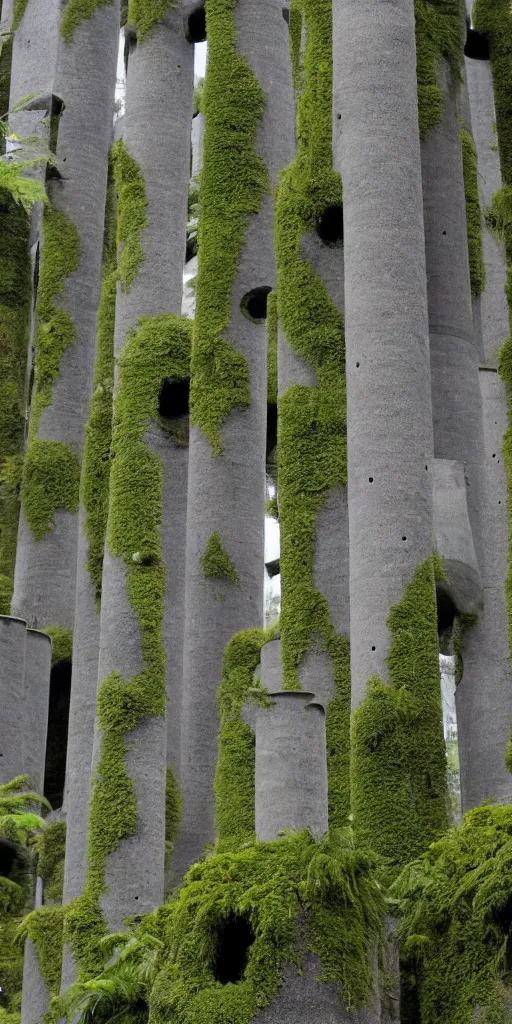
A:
(440, 35)
(132, 216)
(94, 486)
(216, 562)
(51, 480)
(44, 927)
(18, 10)
(76, 11)
(473, 214)
(454, 904)
(145, 14)
(15, 292)
(399, 787)
(233, 181)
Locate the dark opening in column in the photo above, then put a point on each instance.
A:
(57, 739)
(173, 408)
(271, 429)
(477, 45)
(329, 225)
(254, 304)
(446, 614)
(233, 940)
(196, 26)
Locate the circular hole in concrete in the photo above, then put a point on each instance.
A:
(254, 304)
(173, 398)
(477, 45)
(196, 25)
(370, 479)
(329, 225)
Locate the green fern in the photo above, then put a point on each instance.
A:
(120, 994)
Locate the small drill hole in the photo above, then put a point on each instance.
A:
(444, 232)
(404, 538)
(370, 479)
(357, 366)
(329, 225)
(373, 648)
(254, 304)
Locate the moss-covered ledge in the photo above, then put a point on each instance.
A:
(399, 785)
(282, 889)
(159, 350)
(233, 181)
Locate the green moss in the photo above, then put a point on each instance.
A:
(11, 967)
(51, 472)
(62, 643)
(18, 10)
(51, 480)
(144, 14)
(455, 920)
(272, 346)
(76, 11)
(94, 484)
(173, 807)
(234, 777)
(312, 458)
(233, 181)
(295, 42)
(50, 846)
(284, 888)
(132, 216)
(399, 790)
(158, 350)
(5, 77)
(272, 508)
(440, 34)
(6, 588)
(473, 218)
(15, 291)
(44, 927)
(216, 562)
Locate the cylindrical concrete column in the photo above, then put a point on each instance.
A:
(35, 994)
(13, 640)
(291, 765)
(484, 708)
(38, 666)
(398, 784)
(386, 327)
(271, 666)
(71, 265)
(226, 489)
(156, 150)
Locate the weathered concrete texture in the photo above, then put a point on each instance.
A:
(82, 708)
(302, 999)
(291, 368)
(227, 493)
(34, 52)
(173, 533)
(454, 354)
(44, 579)
(13, 639)
(36, 997)
(271, 668)
(38, 666)
(156, 133)
(386, 327)
(493, 302)
(454, 537)
(484, 695)
(291, 766)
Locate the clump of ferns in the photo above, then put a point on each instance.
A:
(120, 993)
(18, 825)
